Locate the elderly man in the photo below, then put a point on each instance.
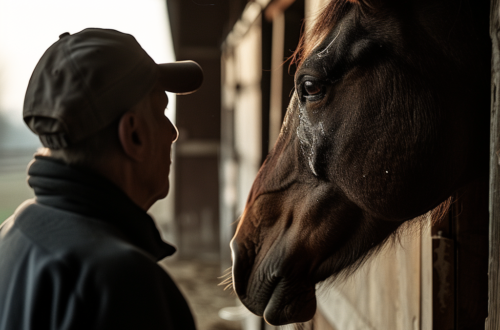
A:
(83, 254)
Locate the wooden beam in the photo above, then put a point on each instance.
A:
(470, 222)
(277, 56)
(443, 284)
(493, 321)
(276, 7)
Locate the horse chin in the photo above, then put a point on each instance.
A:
(282, 310)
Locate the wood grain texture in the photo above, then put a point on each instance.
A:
(426, 268)
(318, 322)
(384, 294)
(443, 283)
(493, 321)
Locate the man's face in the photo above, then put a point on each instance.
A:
(162, 133)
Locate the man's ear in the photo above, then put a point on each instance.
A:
(131, 135)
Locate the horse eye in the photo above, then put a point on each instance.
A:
(312, 88)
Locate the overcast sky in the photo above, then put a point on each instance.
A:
(29, 27)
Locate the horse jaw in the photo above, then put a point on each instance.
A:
(277, 261)
(274, 297)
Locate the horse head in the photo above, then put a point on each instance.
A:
(389, 116)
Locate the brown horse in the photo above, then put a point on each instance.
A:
(390, 116)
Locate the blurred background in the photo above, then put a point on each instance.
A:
(226, 128)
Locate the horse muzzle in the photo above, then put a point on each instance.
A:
(265, 293)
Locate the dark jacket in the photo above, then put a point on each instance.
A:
(82, 255)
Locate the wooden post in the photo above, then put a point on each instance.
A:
(443, 283)
(493, 320)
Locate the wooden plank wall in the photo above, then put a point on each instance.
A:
(460, 261)
(493, 321)
(386, 292)
(241, 125)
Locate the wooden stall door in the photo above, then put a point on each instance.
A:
(460, 240)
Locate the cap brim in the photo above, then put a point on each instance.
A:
(181, 77)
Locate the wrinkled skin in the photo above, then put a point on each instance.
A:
(390, 115)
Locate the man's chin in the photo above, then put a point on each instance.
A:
(164, 192)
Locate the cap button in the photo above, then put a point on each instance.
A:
(65, 34)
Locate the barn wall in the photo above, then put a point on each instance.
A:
(242, 128)
(197, 31)
(241, 152)
(383, 294)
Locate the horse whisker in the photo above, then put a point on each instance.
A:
(226, 281)
(227, 272)
(225, 275)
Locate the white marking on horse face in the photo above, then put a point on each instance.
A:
(308, 137)
(306, 133)
(322, 128)
(311, 166)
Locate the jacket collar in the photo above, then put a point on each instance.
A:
(82, 191)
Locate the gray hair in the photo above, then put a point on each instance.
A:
(94, 150)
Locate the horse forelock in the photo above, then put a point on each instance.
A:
(323, 24)
(319, 31)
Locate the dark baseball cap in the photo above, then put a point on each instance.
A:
(87, 80)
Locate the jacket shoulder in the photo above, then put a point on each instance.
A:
(101, 280)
